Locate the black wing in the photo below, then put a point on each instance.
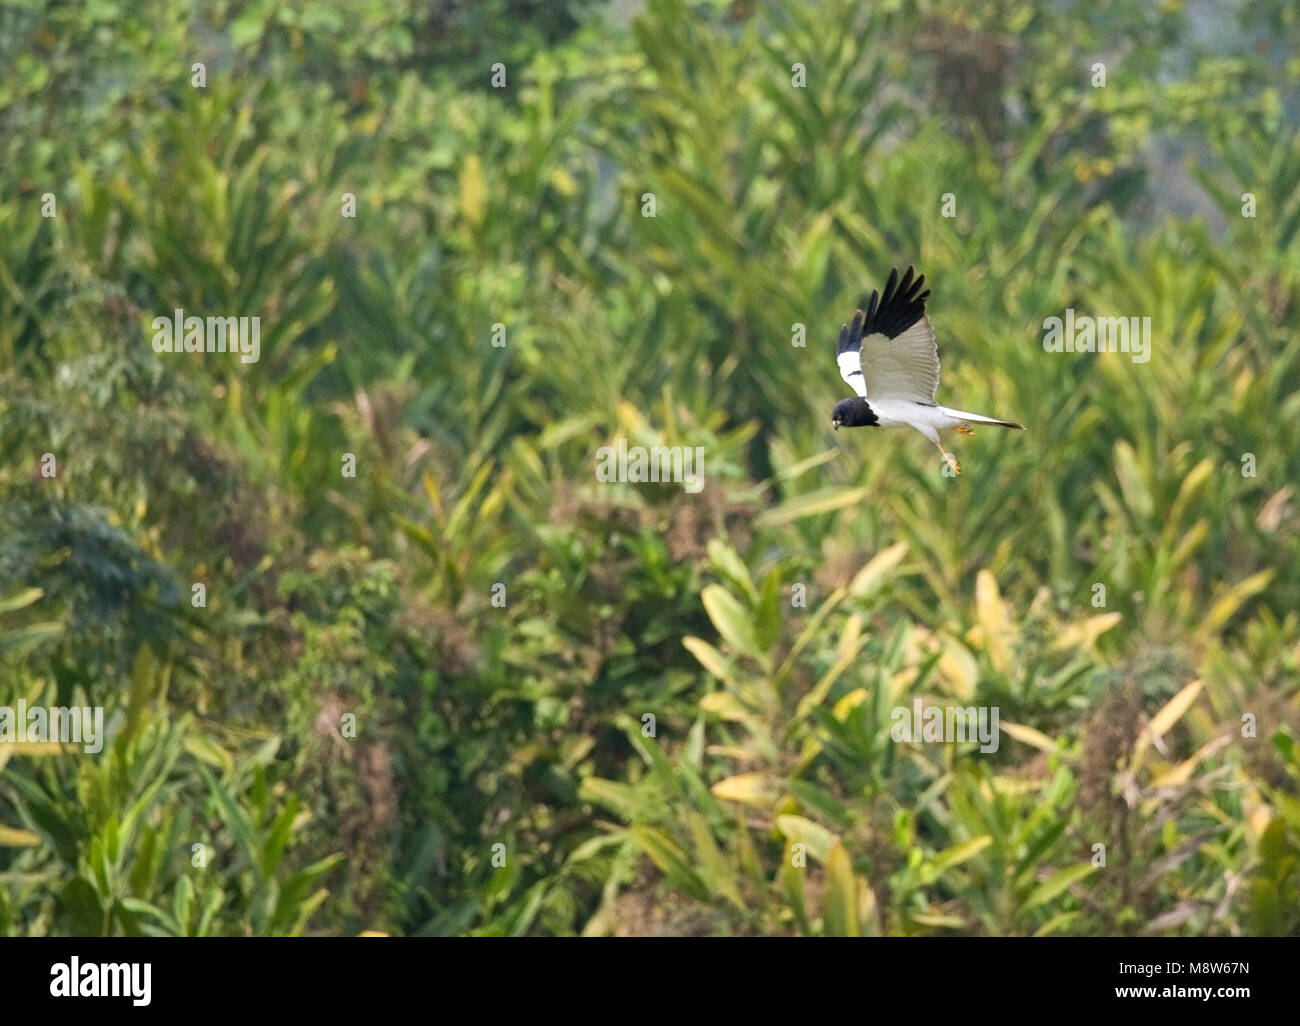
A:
(908, 370)
(902, 305)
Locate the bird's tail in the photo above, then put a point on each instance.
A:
(975, 418)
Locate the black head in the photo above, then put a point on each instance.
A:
(853, 413)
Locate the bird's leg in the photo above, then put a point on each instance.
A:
(949, 459)
(962, 429)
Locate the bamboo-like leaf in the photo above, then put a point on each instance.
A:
(826, 500)
(1170, 713)
(754, 789)
(1083, 635)
(23, 639)
(714, 867)
(709, 657)
(665, 853)
(878, 569)
(620, 798)
(473, 194)
(1130, 477)
(955, 856)
(793, 880)
(1232, 599)
(1029, 735)
(727, 562)
(850, 645)
(1055, 885)
(13, 837)
(1182, 773)
(994, 620)
(959, 668)
(236, 820)
(1057, 923)
(840, 913)
(732, 621)
(815, 837)
(19, 599)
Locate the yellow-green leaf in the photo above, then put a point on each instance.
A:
(1230, 601)
(747, 788)
(1055, 884)
(825, 500)
(731, 619)
(840, 895)
(1029, 736)
(1129, 475)
(12, 837)
(708, 657)
(716, 869)
(1170, 713)
(729, 563)
(992, 614)
(665, 853)
(1082, 635)
(955, 856)
(473, 195)
(878, 569)
(815, 838)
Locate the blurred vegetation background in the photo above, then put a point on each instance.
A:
(228, 801)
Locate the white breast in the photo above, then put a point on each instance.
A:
(899, 412)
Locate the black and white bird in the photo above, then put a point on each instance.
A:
(889, 357)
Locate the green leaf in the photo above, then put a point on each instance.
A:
(728, 564)
(618, 797)
(840, 916)
(234, 817)
(182, 903)
(1054, 885)
(879, 569)
(714, 867)
(792, 883)
(767, 614)
(954, 856)
(709, 657)
(825, 500)
(24, 639)
(813, 836)
(732, 621)
(19, 599)
(144, 908)
(10, 837)
(664, 852)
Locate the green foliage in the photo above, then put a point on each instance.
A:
(474, 689)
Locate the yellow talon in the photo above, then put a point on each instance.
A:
(949, 459)
(962, 429)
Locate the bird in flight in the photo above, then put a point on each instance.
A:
(889, 357)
